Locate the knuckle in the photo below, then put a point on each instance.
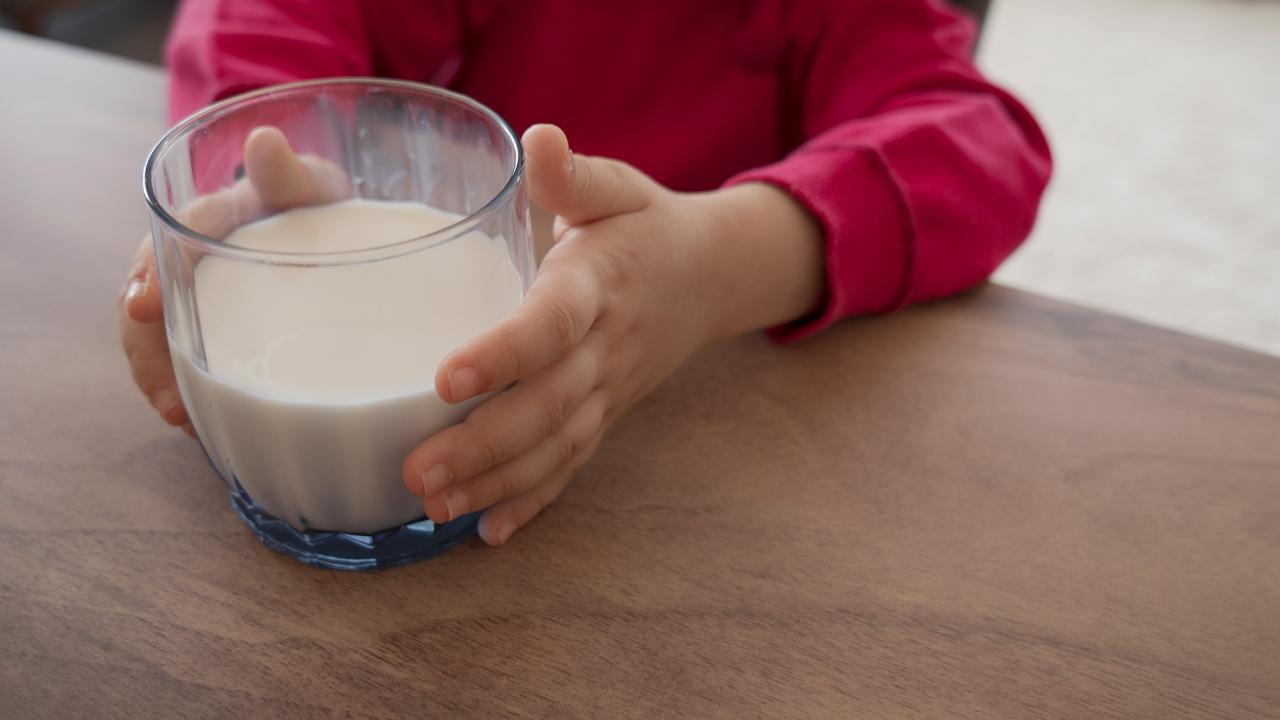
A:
(608, 266)
(149, 385)
(146, 373)
(577, 436)
(597, 261)
(556, 410)
(482, 452)
(628, 180)
(566, 447)
(563, 317)
(146, 385)
(132, 351)
(595, 413)
(585, 177)
(512, 358)
(612, 188)
(594, 366)
(505, 487)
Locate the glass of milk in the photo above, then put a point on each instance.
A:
(305, 341)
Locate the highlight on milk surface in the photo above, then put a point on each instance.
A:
(305, 342)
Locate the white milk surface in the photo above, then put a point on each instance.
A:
(320, 380)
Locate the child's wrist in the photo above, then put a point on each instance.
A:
(764, 258)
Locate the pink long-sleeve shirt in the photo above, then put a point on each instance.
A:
(923, 175)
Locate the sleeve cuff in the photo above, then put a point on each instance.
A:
(864, 218)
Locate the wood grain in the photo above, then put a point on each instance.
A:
(994, 507)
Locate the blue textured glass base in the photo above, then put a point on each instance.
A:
(348, 551)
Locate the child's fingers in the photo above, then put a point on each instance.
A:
(498, 483)
(147, 348)
(276, 178)
(578, 188)
(505, 426)
(140, 298)
(143, 336)
(329, 183)
(524, 472)
(285, 179)
(555, 315)
(502, 520)
(218, 213)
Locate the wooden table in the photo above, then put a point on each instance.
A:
(998, 506)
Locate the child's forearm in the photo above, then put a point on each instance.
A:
(764, 259)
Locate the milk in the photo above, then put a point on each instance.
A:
(319, 380)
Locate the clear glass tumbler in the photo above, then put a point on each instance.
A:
(318, 478)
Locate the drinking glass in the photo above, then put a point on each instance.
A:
(296, 470)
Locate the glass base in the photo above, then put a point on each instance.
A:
(349, 551)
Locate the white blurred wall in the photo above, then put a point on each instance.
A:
(1165, 120)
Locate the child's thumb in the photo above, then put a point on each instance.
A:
(579, 188)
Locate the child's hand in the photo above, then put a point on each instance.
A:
(639, 278)
(275, 179)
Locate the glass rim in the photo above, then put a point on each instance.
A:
(379, 252)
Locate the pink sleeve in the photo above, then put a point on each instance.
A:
(219, 48)
(923, 176)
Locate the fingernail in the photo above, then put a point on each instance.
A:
(455, 503)
(463, 383)
(505, 533)
(135, 289)
(435, 479)
(568, 161)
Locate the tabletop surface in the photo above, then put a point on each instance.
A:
(995, 506)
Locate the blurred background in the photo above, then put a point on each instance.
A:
(1163, 116)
